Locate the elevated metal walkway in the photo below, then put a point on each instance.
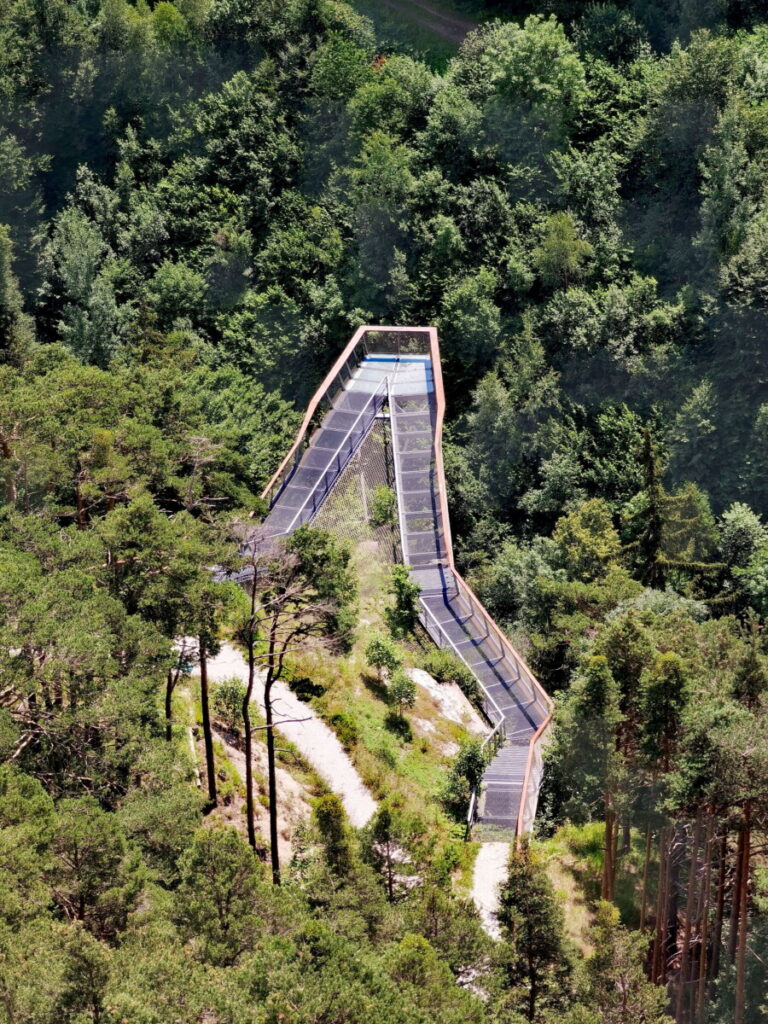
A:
(396, 372)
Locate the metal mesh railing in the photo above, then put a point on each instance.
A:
(535, 699)
(348, 512)
(397, 343)
(297, 501)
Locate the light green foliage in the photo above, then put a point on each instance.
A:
(15, 333)
(741, 535)
(751, 674)
(216, 902)
(177, 292)
(470, 322)
(401, 691)
(395, 100)
(533, 66)
(689, 532)
(561, 257)
(383, 509)
(341, 68)
(587, 540)
(445, 667)
(381, 654)
(228, 696)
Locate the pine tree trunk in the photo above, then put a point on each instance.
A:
(733, 934)
(169, 684)
(717, 938)
(673, 893)
(706, 892)
(646, 862)
(272, 778)
(689, 905)
(658, 933)
(743, 898)
(248, 742)
(626, 837)
(10, 477)
(210, 767)
(606, 887)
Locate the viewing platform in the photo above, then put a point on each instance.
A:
(395, 373)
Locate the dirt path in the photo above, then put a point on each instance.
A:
(312, 737)
(450, 26)
(490, 873)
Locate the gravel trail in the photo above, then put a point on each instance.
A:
(311, 736)
(490, 872)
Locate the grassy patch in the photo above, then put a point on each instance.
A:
(463, 876)
(401, 759)
(574, 857)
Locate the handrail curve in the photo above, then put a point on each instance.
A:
(387, 339)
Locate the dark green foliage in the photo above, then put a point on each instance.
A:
(403, 614)
(199, 201)
(536, 963)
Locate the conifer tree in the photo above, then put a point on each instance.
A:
(537, 965)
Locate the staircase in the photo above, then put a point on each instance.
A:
(404, 383)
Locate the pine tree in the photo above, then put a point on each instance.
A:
(616, 985)
(750, 680)
(537, 965)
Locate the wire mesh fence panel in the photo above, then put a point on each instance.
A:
(357, 510)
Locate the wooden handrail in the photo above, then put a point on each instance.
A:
(532, 744)
(464, 587)
(437, 376)
(313, 404)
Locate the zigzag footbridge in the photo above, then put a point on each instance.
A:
(394, 373)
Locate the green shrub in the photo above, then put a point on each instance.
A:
(383, 507)
(445, 667)
(345, 728)
(401, 692)
(381, 654)
(403, 615)
(464, 775)
(228, 697)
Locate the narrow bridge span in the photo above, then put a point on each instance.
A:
(395, 372)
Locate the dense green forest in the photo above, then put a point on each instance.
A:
(199, 202)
